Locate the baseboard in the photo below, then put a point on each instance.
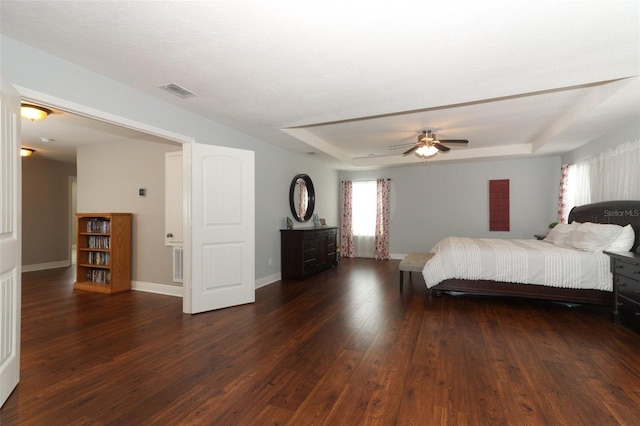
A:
(48, 265)
(397, 256)
(167, 290)
(172, 290)
(268, 280)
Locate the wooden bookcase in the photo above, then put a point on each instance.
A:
(103, 252)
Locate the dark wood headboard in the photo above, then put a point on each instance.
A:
(617, 212)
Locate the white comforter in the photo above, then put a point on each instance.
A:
(517, 261)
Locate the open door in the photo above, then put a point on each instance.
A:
(10, 241)
(220, 234)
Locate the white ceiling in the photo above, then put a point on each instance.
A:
(348, 79)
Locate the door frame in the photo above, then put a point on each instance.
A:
(73, 180)
(27, 94)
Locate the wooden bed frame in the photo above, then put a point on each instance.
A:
(616, 212)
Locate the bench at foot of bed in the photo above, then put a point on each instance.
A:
(413, 262)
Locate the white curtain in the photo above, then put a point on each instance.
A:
(612, 175)
(615, 174)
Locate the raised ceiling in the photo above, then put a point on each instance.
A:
(348, 79)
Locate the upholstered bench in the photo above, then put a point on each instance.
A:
(413, 262)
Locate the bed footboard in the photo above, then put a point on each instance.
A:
(530, 291)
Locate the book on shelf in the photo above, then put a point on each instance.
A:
(98, 258)
(99, 276)
(99, 242)
(100, 226)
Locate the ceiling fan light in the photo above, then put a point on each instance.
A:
(426, 151)
(34, 112)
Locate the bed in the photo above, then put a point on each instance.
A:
(621, 213)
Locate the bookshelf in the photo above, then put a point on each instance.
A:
(103, 252)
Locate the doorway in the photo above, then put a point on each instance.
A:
(71, 126)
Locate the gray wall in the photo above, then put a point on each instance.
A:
(46, 213)
(629, 132)
(32, 69)
(437, 200)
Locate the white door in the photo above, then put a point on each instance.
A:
(221, 269)
(10, 241)
(173, 198)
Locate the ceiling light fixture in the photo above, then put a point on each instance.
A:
(34, 112)
(426, 151)
(26, 152)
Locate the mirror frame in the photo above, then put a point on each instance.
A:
(312, 197)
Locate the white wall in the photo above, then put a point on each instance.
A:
(35, 70)
(109, 176)
(437, 200)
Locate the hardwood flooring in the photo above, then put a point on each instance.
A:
(342, 348)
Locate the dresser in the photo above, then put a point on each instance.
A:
(307, 251)
(625, 267)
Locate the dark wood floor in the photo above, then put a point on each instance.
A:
(342, 348)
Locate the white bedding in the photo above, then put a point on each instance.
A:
(517, 261)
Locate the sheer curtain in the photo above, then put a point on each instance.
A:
(615, 174)
(363, 220)
(611, 175)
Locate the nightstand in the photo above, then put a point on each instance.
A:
(625, 267)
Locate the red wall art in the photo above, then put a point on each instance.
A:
(499, 205)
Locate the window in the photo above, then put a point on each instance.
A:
(364, 231)
(364, 199)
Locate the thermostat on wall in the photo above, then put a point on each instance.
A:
(142, 192)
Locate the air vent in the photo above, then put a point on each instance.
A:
(177, 264)
(179, 91)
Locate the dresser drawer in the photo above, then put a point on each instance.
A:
(627, 269)
(306, 251)
(628, 288)
(629, 313)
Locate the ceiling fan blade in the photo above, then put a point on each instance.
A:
(453, 141)
(416, 146)
(440, 147)
(401, 145)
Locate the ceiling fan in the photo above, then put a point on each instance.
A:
(429, 145)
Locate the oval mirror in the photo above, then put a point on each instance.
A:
(302, 198)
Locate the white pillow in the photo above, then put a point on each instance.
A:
(624, 241)
(593, 236)
(558, 234)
